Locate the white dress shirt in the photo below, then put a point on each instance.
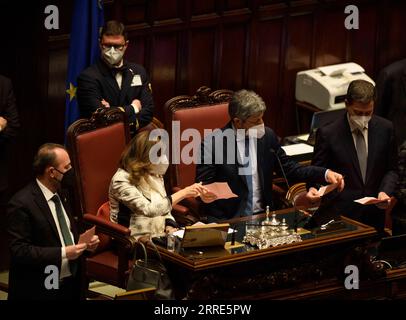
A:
(257, 205)
(48, 194)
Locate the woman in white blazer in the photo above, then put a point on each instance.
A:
(137, 192)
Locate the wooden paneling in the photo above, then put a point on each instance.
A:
(184, 44)
(265, 64)
(201, 58)
(230, 71)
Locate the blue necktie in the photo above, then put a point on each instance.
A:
(249, 205)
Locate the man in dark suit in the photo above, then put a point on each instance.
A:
(114, 83)
(9, 125)
(363, 148)
(391, 97)
(245, 154)
(43, 233)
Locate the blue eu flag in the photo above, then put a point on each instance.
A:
(87, 20)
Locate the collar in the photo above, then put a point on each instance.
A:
(48, 194)
(352, 127)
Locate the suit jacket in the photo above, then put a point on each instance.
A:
(35, 244)
(150, 208)
(267, 149)
(391, 100)
(8, 110)
(97, 83)
(335, 148)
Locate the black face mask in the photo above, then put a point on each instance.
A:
(68, 179)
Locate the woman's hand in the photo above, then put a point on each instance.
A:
(170, 229)
(194, 190)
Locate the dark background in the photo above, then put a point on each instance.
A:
(184, 44)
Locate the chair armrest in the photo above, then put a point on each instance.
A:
(183, 216)
(106, 226)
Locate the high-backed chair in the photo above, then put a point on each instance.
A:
(95, 146)
(207, 109)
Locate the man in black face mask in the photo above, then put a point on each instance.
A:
(42, 233)
(113, 82)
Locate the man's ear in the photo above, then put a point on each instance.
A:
(237, 123)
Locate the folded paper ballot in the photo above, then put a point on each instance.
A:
(87, 236)
(221, 190)
(370, 200)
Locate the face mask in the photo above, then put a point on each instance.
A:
(113, 56)
(360, 121)
(161, 167)
(68, 178)
(256, 132)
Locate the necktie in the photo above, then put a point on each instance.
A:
(64, 230)
(248, 207)
(62, 221)
(361, 152)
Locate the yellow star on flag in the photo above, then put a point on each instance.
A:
(71, 91)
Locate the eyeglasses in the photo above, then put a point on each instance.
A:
(119, 47)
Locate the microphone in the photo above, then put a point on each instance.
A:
(295, 223)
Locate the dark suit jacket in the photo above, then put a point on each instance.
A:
(35, 244)
(335, 148)
(97, 83)
(267, 146)
(391, 101)
(8, 110)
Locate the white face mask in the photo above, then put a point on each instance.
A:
(113, 56)
(256, 132)
(161, 166)
(360, 121)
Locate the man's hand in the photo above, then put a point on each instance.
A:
(383, 205)
(313, 195)
(3, 123)
(75, 251)
(105, 104)
(136, 105)
(335, 178)
(94, 242)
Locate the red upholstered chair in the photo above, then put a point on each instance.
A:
(205, 110)
(95, 147)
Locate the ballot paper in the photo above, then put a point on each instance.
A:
(326, 189)
(221, 190)
(297, 149)
(87, 236)
(369, 200)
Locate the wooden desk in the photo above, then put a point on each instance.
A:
(298, 270)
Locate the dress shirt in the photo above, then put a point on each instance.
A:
(64, 271)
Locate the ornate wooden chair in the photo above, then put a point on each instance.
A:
(206, 109)
(95, 146)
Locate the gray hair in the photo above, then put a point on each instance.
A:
(245, 104)
(360, 91)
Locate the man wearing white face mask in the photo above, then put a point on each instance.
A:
(113, 82)
(363, 148)
(248, 168)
